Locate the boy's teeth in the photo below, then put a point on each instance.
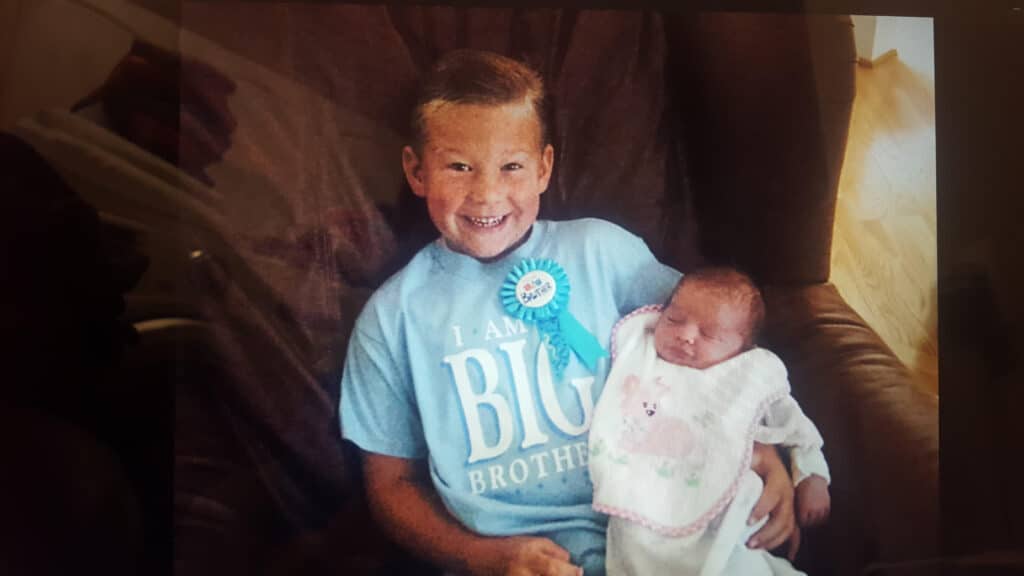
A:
(486, 222)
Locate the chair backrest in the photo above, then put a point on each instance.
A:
(766, 120)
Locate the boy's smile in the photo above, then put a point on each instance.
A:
(482, 171)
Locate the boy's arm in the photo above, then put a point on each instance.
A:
(776, 500)
(406, 505)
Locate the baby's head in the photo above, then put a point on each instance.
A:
(480, 154)
(713, 315)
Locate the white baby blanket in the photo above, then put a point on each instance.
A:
(669, 443)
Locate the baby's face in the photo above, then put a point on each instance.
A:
(700, 328)
(481, 170)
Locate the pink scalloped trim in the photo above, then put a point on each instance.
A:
(637, 312)
(706, 518)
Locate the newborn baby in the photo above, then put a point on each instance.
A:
(670, 446)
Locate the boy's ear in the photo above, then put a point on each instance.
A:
(411, 165)
(547, 159)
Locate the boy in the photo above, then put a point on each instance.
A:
(688, 394)
(474, 445)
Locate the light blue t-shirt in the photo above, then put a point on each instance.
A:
(436, 369)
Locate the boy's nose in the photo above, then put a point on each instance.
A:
(485, 188)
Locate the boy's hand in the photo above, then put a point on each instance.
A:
(776, 499)
(525, 556)
(813, 502)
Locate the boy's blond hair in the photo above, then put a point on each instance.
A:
(477, 77)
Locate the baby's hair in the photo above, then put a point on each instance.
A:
(477, 77)
(734, 285)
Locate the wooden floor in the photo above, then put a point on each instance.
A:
(884, 251)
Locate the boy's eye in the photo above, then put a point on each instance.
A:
(512, 166)
(459, 167)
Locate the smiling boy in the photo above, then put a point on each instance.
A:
(475, 447)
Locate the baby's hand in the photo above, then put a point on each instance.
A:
(527, 556)
(812, 501)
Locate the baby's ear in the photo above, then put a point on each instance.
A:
(412, 166)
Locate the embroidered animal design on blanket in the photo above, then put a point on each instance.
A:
(650, 430)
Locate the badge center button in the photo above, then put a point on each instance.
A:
(535, 289)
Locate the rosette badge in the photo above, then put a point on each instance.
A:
(537, 291)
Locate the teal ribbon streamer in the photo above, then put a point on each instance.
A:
(586, 346)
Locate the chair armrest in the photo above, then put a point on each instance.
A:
(881, 433)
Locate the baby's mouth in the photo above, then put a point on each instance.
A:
(683, 353)
(486, 221)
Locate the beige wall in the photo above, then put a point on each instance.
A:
(54, 53)
(911, 38)
(914, 42)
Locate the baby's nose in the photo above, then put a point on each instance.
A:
(687, 333)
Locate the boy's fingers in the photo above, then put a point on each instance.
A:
(777, 497)
(784, 532)
(549, 548)
(765, 504)
(775, 532)
(553, 560)
(559, 568)
(794, 545)
(551, 566)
